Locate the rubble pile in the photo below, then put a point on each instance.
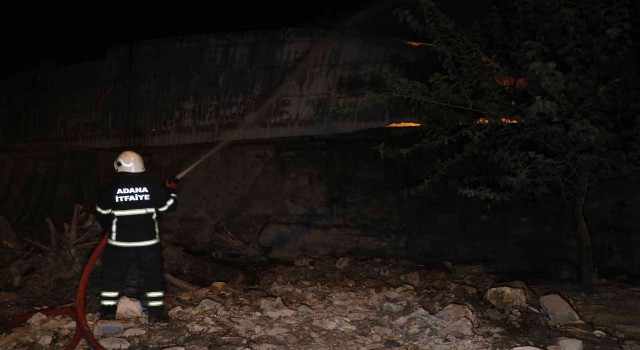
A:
(348, 303)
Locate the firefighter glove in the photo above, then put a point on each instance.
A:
(171, 184)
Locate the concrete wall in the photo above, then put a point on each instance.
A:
(203, 88)
(334, 195)
(323, 196)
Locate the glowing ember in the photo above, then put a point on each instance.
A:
(417, 43)
(504, 120)
(402, 125)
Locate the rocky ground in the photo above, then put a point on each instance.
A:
(326, 303)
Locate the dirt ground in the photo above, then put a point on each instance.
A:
(329, 303)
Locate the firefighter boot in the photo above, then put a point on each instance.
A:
(107, 312)
(157, 315)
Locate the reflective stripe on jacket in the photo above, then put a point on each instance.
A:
(129, 209)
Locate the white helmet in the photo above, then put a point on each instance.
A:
(129, 162)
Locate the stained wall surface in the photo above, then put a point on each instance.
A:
(318, 196)
(203, 88)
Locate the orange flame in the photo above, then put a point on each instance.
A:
(504, 120)
(403, 125)
(417, 43)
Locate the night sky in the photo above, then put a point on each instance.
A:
(31, 36)
(66, 36)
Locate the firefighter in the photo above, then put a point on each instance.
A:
(128, 211)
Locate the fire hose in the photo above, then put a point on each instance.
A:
(78, 314)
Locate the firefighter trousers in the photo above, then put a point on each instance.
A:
(117, 262)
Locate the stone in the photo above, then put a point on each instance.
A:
(45, 340)
(134, 332)
(128, 308)
(392, 307)
(109, 327)
(412, 278)
(208, 305)
(303, 260)
(630, 330)
(343, 262)
(558, 309)
(570, 344)
(454, 312)
(632, 345)
(506, 297)
(459, 328)
(114, 343)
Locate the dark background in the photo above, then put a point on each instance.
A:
(65, 36)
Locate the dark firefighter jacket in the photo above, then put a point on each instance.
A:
(128, 209)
